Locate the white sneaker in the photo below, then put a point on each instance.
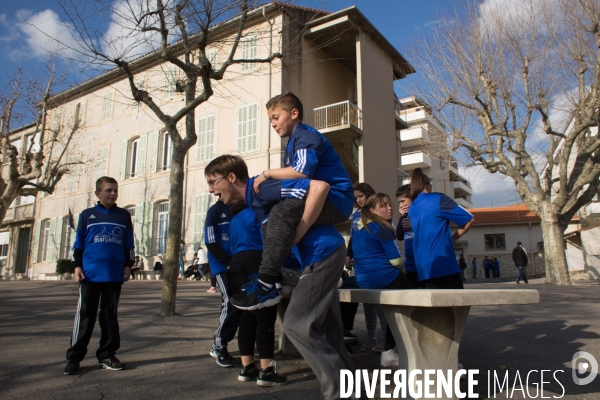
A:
(389, 358)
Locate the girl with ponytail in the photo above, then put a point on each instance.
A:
(430, 215)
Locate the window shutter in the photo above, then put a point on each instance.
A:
(141, 167)
(124, 148)
(147, 227)
(201, 140)
(197, 219)
(36, 240)
(58, 232)
(51, 240)
(210, 139)
(137, 229)
(74, 232)
(154, 157)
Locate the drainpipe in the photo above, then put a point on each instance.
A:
(264, 13)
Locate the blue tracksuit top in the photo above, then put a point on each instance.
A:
(375, 256)
(311, 154)
(272, 192)
(105, 236)
(430, 215)
(319, 242)
(245, 232)
(216, 230)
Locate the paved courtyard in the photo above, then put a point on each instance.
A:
(167, 358)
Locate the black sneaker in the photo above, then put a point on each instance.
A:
(111, 363)
(224, 359)
(248, 373)
(349, 337)
(72, 367)
(255, 297)
(269, 376)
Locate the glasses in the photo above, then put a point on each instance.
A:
(211, 184)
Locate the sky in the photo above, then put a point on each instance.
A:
(398, 20)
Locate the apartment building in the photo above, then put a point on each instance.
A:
(341, 67)
(423, 144)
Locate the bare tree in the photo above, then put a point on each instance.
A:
(178, 34)
(518, 88)
(40, 163)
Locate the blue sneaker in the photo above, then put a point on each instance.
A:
(255, 297)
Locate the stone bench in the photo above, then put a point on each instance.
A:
(428, 324)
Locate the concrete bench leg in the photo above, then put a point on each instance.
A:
(427, 337)
(285, 345)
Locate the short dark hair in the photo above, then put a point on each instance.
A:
(287, 101)
(226, 164)
(519, 243)
(104, 179)
(403, 191)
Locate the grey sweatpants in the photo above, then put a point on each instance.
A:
(281, 231)
(313, 322)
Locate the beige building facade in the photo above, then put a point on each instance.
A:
(341, 67)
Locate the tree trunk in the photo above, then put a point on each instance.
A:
(171, 268)
(557, 270)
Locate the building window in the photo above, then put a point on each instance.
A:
(247, 129)
(101, 162)
(162, 227)
(81, 112)
(107, 106)
(133, 157)
(249, 49)
(166, 152)
(202, 203)
(4, 240)
(57, 120)
(73, 172)
(495, 242)
(206, 138)
(170, 80)
(211, 56)
(46, 240)
(141, 85)
(66, 239)
(131, 210)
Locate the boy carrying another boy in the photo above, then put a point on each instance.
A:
(102, 256)
(308, 156)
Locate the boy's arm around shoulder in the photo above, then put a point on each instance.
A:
(277, 173)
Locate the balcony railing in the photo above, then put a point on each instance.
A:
(416, 135)
(335, 115)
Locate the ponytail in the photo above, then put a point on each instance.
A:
(418, 182)
(367, 215)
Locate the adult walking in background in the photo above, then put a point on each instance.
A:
(182, 259)
(519, 256)
(474, 266)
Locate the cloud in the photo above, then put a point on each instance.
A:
(490, 189)
(44, 33)
(123, 37)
